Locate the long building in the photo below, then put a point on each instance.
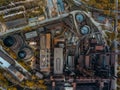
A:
(6, 58)
(8, 64)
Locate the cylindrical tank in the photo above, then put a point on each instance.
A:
(85, 30)
(14, 42)
(25, 53)
(9, 41)
(80, 18)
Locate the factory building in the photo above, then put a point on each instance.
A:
(8, 64)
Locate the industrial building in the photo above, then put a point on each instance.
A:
(69, 48)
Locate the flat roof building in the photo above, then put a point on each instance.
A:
(3, 63)
(6, 58)
(18, 75)
(7, 63)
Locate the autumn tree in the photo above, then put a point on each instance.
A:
(12, 88)
(22, 63)
(3, 81)
(103, 5)
(1, 18)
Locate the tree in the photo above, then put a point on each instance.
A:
(3, 2)
(27, 29)
(42, 4)
(118, 81)
(11, 52)
(30, 84)
(104, 5)
(12, 88)
(3, 80)
(118, 27)
(22, 63)
(1, 18)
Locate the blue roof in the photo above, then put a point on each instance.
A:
(101, 18)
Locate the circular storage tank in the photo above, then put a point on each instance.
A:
(9, 41)
(85, 30)
(14, 42)
(80, 17)
(25, 53)
(22, 54)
